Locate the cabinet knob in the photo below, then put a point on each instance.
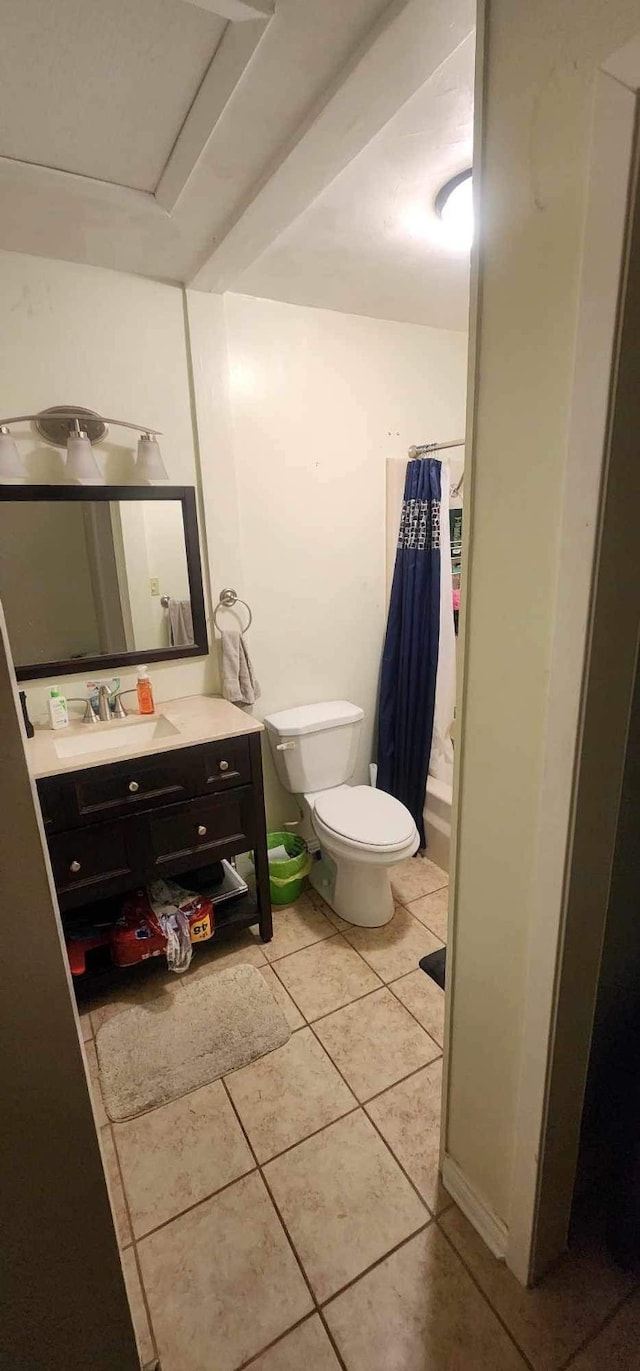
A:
(202, 832)
(75, 866)
(224, 766)
(133, 787)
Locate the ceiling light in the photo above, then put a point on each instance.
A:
(454, 205)
(417, 221)
(81, 462)
(11, 465)
(149, 465)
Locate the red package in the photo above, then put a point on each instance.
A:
(79, 944)
(138, 935)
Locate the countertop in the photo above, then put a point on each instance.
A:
(197, 719)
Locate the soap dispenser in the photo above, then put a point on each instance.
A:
(145, 692)
(58, 713)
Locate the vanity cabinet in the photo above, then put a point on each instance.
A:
(120, 825)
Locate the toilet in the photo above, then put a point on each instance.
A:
(362, 831)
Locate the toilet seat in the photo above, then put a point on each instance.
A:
(361, 817)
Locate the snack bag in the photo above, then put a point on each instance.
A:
(164, 918)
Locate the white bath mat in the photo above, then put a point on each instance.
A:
(210, 1027)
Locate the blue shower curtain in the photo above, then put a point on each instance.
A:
(410, 655)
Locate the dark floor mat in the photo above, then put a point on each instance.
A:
(435, 966)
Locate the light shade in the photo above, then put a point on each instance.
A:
(12, 467)
(454, 204)
(81, 462)
(149, 465)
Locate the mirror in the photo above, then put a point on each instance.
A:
(99, 577)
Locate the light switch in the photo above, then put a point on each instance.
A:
(154, 585)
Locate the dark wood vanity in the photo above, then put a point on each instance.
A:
(115, 827)
(123, 807)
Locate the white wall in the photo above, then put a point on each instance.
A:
(154, 550)
(538, 95)
(297, 411)
(167, 560)
(135, 577)
(317, 401)
(114, 343)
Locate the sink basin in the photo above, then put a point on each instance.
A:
(119, 736)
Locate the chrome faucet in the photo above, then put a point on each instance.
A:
(104, 695)
(110, 704)
(90, 716)
(119, 711)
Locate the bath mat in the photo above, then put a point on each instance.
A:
(161, 1049)
(435, 966)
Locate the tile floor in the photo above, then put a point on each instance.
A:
(290, 1217)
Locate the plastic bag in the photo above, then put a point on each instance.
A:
(164, 898)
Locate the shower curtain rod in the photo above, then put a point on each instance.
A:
(423, 449)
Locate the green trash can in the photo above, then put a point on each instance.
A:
(286, 877)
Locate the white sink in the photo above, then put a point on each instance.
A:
(122, 735)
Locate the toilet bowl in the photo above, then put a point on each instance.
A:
(362, 831)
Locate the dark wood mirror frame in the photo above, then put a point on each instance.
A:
(187, 498)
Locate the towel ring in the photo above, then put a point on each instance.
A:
(226, 600)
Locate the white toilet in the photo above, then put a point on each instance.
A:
(362, 831)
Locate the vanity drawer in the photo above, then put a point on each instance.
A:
(201, 832)
(227, 764)
(124, 787)
(120, 788)
(90, 858)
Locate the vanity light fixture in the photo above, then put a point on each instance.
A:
(149, 463)
(12, 467)
(78, 430)
(454, 206)
(81, 462)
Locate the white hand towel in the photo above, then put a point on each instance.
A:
(181, 623)
(239, 682)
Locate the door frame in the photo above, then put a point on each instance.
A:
(568, 915)
(57, 1214)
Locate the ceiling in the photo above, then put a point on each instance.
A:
(372, 243)
(116, 82)
(267, 146)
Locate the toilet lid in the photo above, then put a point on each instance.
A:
(364, 815)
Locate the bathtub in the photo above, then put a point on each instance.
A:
(437, 821)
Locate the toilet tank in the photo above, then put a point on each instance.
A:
(315, 747)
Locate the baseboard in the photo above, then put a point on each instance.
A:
(491, 1229)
